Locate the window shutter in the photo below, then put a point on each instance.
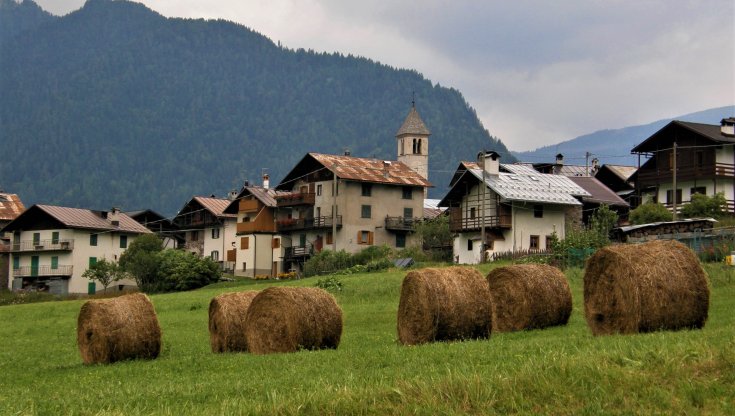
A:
(244, 243)
(329, 237)
(359, 237)
(370, 237)
(276, 243)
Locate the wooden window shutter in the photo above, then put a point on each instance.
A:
(370, 237)
(359, 237)
(245, 243)
(276, 243)
(329, 237)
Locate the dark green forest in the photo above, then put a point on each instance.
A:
(116, 105)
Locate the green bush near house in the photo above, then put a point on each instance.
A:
(703, 206)
(650, 212)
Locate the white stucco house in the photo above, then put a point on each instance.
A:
(208, 230)
(511, 207)
(53, 246)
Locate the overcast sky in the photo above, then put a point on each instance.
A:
(537, 72)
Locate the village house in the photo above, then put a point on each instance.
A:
(10, 208)
(688, 158)
(258, 249)
(208, 230)
(163, 227)
(53, 246)
(507, 207)
(619, 179)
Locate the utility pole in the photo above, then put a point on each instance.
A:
(673, 191)
(482, 211)
(334, 208)
(587, 163)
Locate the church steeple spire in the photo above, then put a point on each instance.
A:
(413, 142)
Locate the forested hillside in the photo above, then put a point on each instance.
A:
(116, 105)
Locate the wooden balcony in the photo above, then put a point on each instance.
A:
(400, 223)
(654, 176)
(294, 224)
(43, 245)
(260, 225)
(43, 271)
(295, 199)
(298, 252)
(458, 223)
(248, 205)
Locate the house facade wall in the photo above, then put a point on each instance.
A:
(107, 247)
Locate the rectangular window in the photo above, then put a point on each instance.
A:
(549, 240)
(329, 238)
(407, 212)
(319, 190)
(244, 266)
(92, 261)
(54, 262)
(366, 211)
(367, 189)
(55, 237)
(302, 240)
(93, 239)
(123, 241)
(699, 159)
(365, 237)
(538, 211)
(195, 236)
(407, 192)
(244, 243)
(699, 190)
(214, 255)
(16, 262)
(276, 243)
(215, 233)
(533, 244)
(670, 196)
(472, 213)
(318, 212)
(400, 240)
(36, 239)
(469, 245)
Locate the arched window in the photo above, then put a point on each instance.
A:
(419, 152)
(414, 147)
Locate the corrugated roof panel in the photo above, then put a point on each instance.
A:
(215, 205)
(371, 170)
(10, 206)
(84, 218)
(539, 187)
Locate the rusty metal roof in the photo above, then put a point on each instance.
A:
(413, 124)
(85, 218)
(216, 206)
(371, 170)
(10, 207)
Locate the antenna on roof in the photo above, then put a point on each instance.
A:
(413, 99)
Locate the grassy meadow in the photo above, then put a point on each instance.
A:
(562, 370)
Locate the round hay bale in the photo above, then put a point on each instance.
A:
(653, 286)
(529, 296)
(121, 328)
(444, 304)
(227, 318)
(287, 319)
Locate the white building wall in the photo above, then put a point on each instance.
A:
(724, 185)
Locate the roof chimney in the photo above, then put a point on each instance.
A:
(114, 216)
(266, 181)
(347, 151)
(489, 161)
(386, 166)
(232, 195)
(727, 126)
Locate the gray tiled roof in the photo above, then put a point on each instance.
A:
(413, 124)
(538, 187)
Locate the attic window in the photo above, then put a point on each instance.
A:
(533, 178)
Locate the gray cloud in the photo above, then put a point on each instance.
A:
(537, 72)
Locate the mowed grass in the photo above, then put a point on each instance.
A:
(562, 370)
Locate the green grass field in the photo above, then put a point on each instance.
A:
(562, 370)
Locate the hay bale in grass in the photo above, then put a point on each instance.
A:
(529, 296)
(227, 318)
(121, 328)
(653, 286)
(287, 319)
(444, 304)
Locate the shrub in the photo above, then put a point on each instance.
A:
(180, 270)
(327, 261)
(330, 283)
(650, 212)
(141, 261)
(704, 206)
(371, 254)
(105, 272)
(378, 265)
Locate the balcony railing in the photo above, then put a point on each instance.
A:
(654, 176)
(400, 223)
(470, 224)
(33, 271)
(43, 245)
(295, 198)
(293, 224)
(264, 225)
(297, 252)
(248, 205)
